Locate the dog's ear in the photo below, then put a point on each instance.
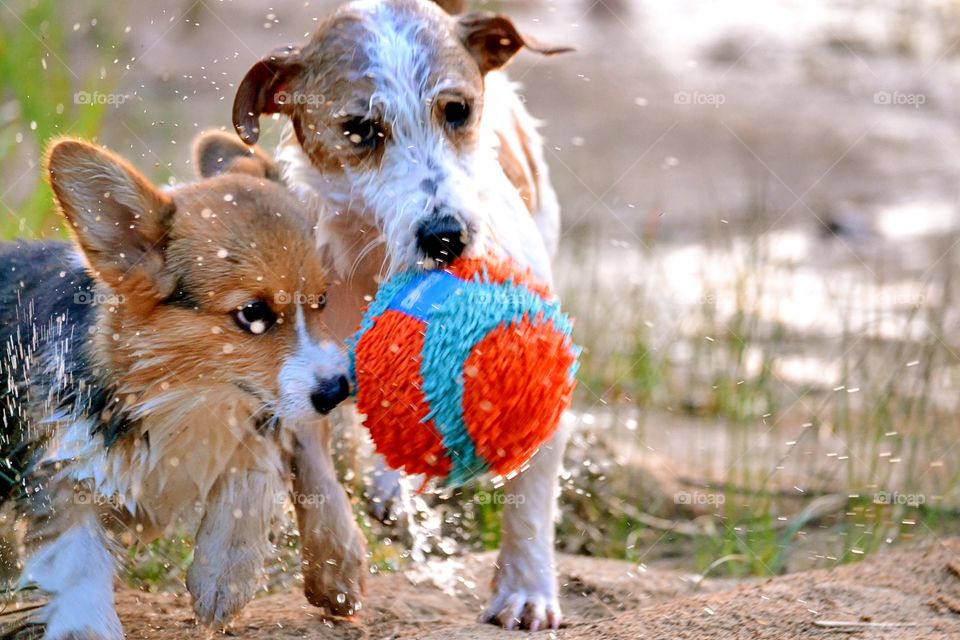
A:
(453, 7)
(119, 219)
(217, 152)
(493, 40)
(265, 89)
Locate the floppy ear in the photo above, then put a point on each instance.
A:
(265, 89)
(453, 7)
(119, 219)
(216, 152)
(493, 40)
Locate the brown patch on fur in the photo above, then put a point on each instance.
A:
(512, 167)
(328, 97)
(493, 40)
(258, 92)
(533, 188)
(453, 7)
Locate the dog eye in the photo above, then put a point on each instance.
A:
(456, 113)
(362, 132)
(255, 317)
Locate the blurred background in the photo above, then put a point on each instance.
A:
(760, 237)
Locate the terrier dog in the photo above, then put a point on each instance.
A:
(413, 150)
(162, 366)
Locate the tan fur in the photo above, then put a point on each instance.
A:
(513, 167)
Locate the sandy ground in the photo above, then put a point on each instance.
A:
(913, 593)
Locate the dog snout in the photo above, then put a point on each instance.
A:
(442, 237)
(328, 393)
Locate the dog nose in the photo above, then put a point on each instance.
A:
(442, 238)
(329, 393)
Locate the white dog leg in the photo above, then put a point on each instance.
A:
(525, 583)
(77, 570)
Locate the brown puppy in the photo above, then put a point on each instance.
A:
(162, 366)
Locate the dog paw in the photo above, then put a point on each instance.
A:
(218, 596)
(523, 599)
(85, 634)
(523, 610)
(217, 606)
(80, 627)
(72, 616)
(336, 585)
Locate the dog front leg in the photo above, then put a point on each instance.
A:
(333, 550)
(525, 582)
(232, 543)
(69, 559)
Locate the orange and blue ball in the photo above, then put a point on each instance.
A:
(463, 371)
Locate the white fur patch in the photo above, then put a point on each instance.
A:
(312, 363)
(76, 569)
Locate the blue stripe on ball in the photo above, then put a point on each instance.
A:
(422, 295)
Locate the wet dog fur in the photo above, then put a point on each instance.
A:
(169, 364)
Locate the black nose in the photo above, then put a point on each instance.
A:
(442, 238)
(329, 393)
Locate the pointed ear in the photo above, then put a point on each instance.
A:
(116, 215)
(217, 152)
(453, 7)
(493, 40)
(265, 89)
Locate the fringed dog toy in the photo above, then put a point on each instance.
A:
(463, 371)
